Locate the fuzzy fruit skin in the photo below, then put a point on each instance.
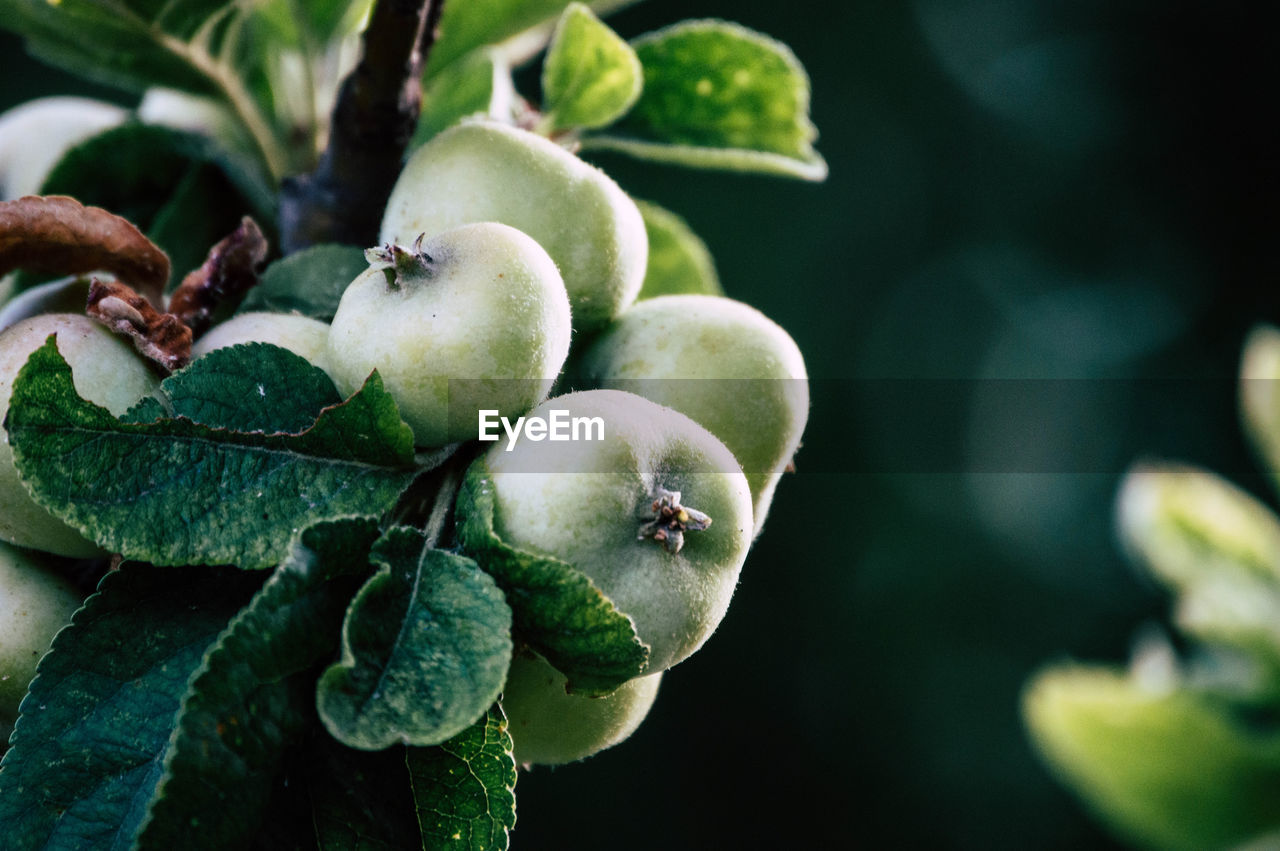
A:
(491, 308)
(661, 342)
(35, 135)
(551, 727)
(302, 335)
(34, 604)
(485, 171)
(583, 502)
(106, 371)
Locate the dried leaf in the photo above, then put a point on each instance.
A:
(60, 236)
(230, 271)
(162, 337)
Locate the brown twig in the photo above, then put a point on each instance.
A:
(373, 121)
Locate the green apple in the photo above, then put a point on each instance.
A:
(484, 171)
(35, 135)
(35, 603)
(721, 362)
(105, 370)
(302, 335)
(645, 502)
(551, 727)
(473, 318)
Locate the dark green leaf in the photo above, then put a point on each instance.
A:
(464, 789)
(591, 77)
(480, 82)
(310, 282)
(88, 748)
(247, 387)
(177, 492)
(253, 695)
(426, 646)
(361, 800)
(718, 95)
(475, 23)
(557, 609)
(177, 187)
(132, 43)
(679, 261)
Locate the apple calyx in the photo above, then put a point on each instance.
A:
(401, 264)
(668, 520)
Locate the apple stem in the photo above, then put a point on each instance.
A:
(373, 120)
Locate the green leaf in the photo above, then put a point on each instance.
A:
(1169, 769)
(464, 789)
(718, 95)
(310, 282)
(177, 187)
(361, 800)
(87, 751)
(1215, 546)
(679, 261)
(253, 696)
(426, 645)
(130, 43)
(205, 47)
(178, 492)
(1260, 395)
(246, 387)
(467, 26)
(480, 82)
(557, 609)
(313, 22)
(591, 77)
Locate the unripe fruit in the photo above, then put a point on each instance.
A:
(489, 172)
(691, 352)
(302, 335)
(551, 727)
(481, 305)
(35, 135)
(631, 512)
(106, 371)
(34, 604)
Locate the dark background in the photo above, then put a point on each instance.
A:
(1020, 189)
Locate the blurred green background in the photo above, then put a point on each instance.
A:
(1019, 189)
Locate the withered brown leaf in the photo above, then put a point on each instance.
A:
(57, 235)
(230, 271)
(162, 337)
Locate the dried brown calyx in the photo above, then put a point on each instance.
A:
(668, 520)
(162, 337)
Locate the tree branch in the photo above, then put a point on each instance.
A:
(373, 121)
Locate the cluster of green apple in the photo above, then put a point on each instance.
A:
(503, 252)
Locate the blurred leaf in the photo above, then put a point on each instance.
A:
(177, 187)
(557, 609)
(464, 789)
(475, 23)
(1260, 395)
(479, 83)
(87, 751)
(590, 77)
(425, 649)
(177, 492)
(679, 261)
(1215, 546)
(252, 697)
(1168, 769)
(718, 95)
(310, 282)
